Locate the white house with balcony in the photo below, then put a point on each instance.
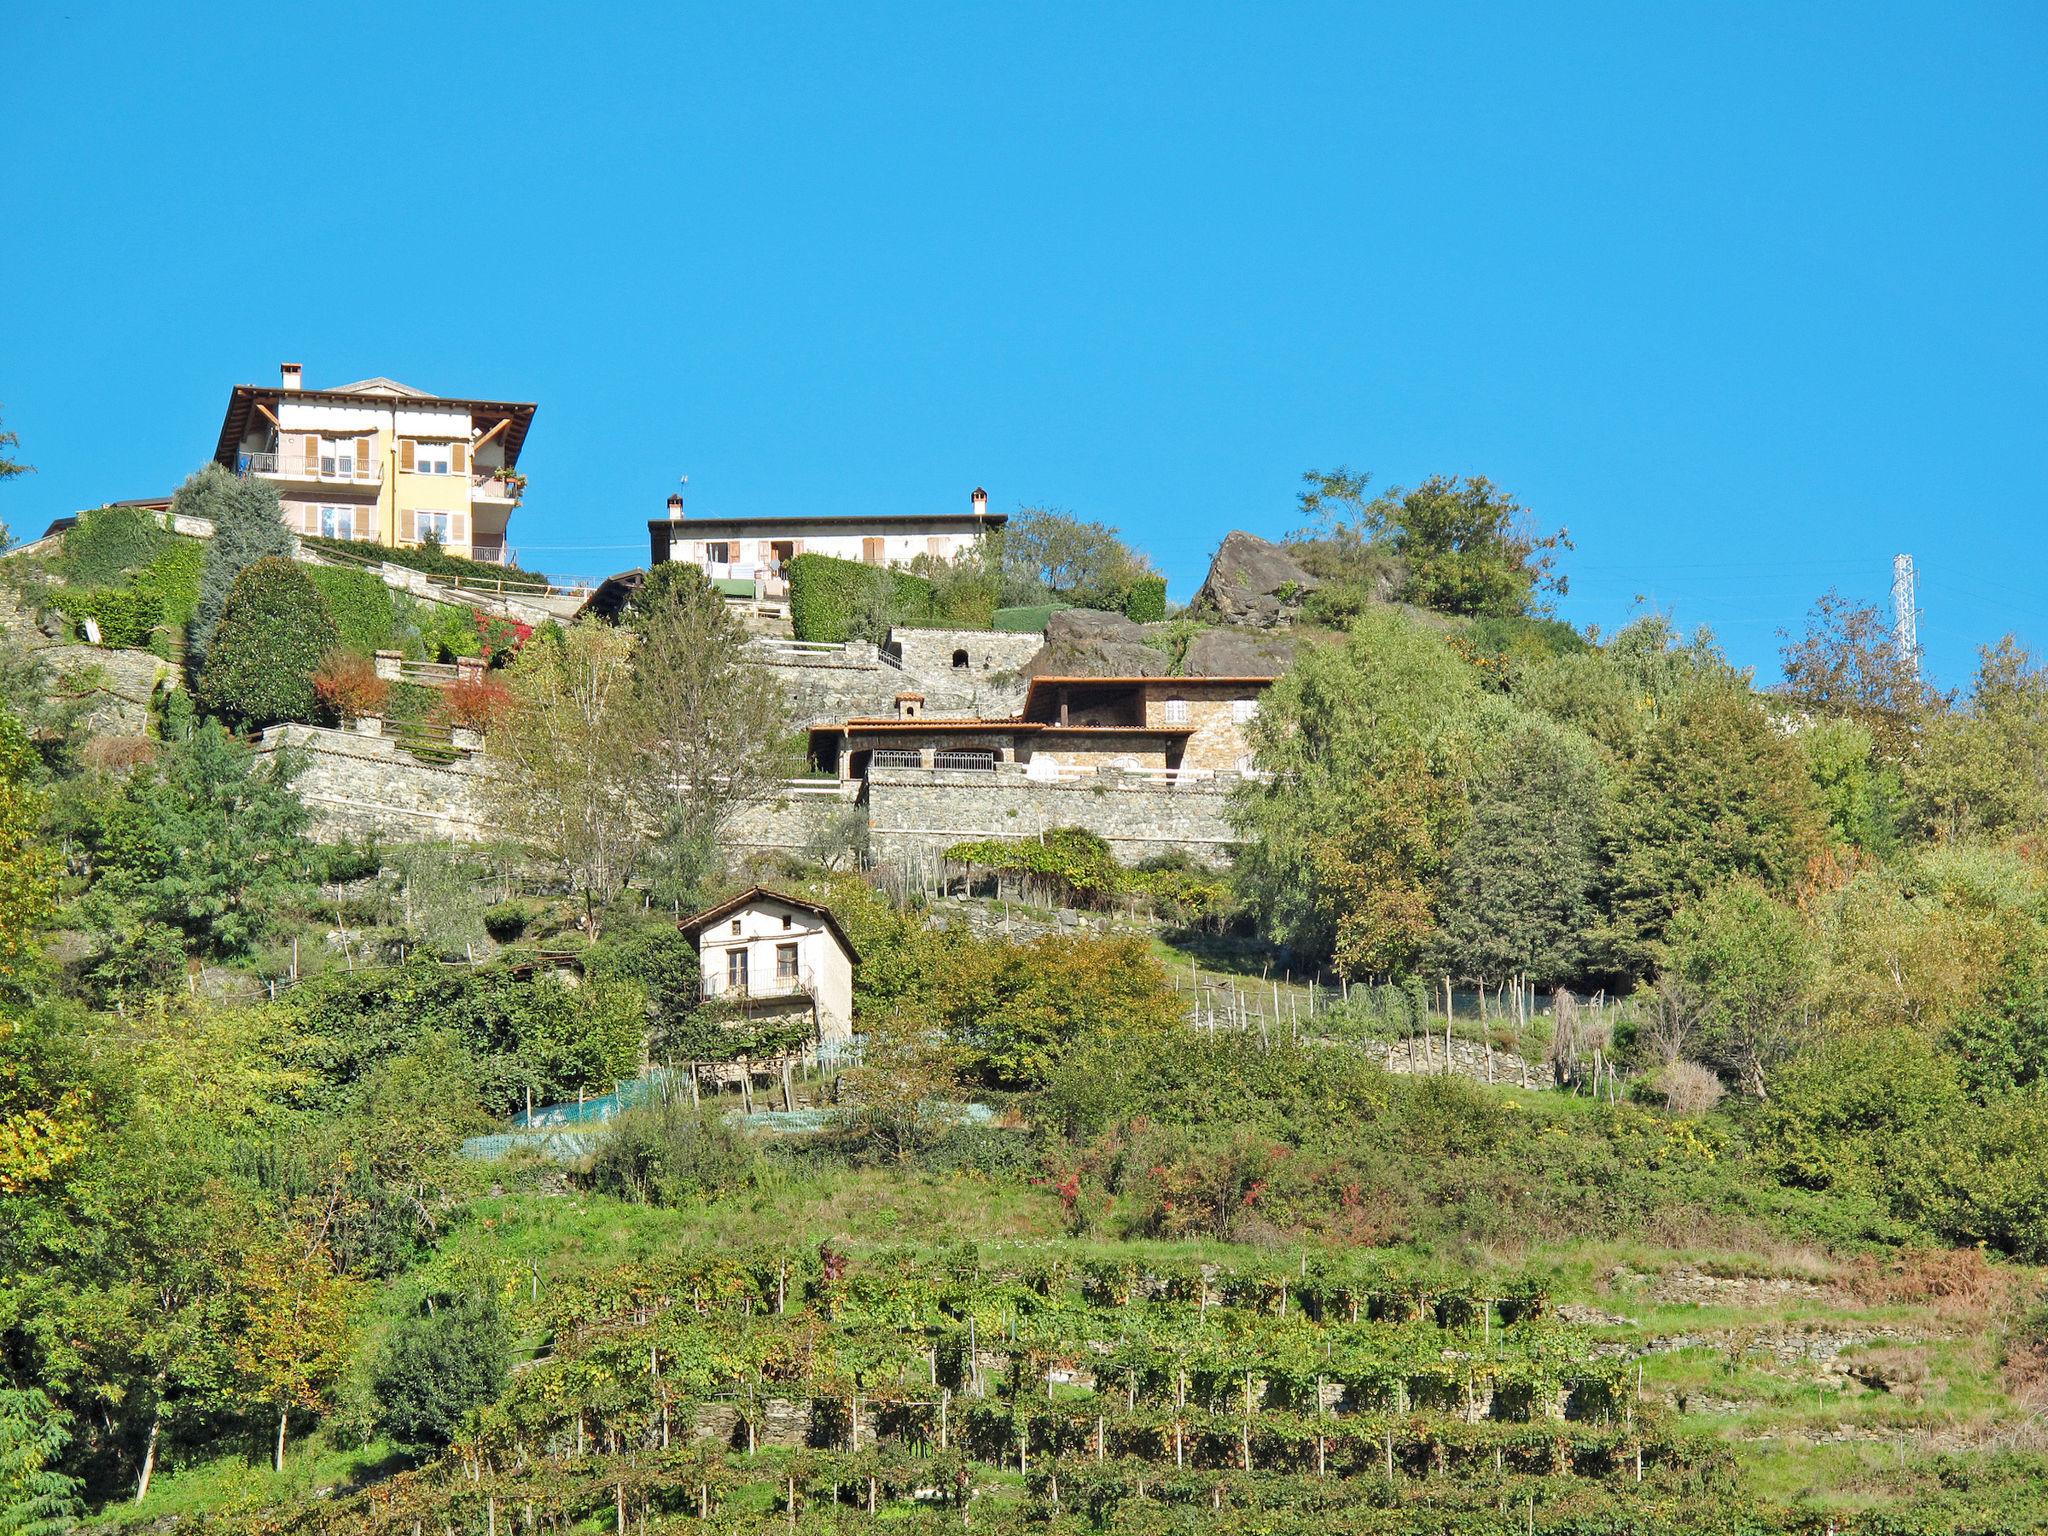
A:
(756, 550)
(771, 954)
(379, 462)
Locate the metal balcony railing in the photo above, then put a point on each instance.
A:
(799, 983)
(979, 762)
(327, 468)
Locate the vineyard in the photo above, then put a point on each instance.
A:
(806, 1386)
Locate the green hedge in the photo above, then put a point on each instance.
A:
(829, 598)
(107, 543)
(1145, 602)
(360, 603)
(127, 616)
(273, 631)
(434, 562)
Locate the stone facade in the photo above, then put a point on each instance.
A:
(933, 653)
(855, 681)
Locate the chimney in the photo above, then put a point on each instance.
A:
(980, 502)
(289, 375)
(675, 506)
(909, 705)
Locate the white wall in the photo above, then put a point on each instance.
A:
(820, 959)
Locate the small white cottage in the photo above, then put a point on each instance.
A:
(774, 953)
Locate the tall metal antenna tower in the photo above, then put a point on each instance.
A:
(1905, 613)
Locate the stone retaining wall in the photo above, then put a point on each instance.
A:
(369, 786)
(916, 812)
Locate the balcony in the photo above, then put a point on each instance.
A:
(496, 490)
(365, 470)
(798, 986)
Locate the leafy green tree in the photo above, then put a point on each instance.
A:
(10, 466)
(292, 1326)
(36, 1499)
(440, 1366)
(204, 840)
(1716, 792)
(716, 734)
(1617, 693)
(27, 867)
(1745, 961)
(1983, 770)
(1862, 797)
(1464, 546)
(248, 525)
(1518, 893)
(1017, 1008)
(1046, 554)
(1849, 666)
(274, 631)
(1368, 745)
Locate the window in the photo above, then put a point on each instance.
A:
(1244, 711)
(337, 522)
(788, 922)
(433, 458)
(785, 962)
(718, 554)
(735, 925)
(959, 661)
(431, 525)
(338, 459)
(1176, 711)
(736, 970)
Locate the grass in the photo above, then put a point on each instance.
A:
(238, 1480)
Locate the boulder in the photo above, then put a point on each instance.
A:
(1253, 581)
(1240, 653)
(1086, 642)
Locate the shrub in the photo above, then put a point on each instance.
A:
(173, 576)
(438, 1366)
(360, 603)
(108, 543)
(273, 633)
(348, 684)
(126, 616)
(834, 600)
(248, 526)
(475, 703)
(1688, 1087)
(507, 920)
(1145, 600)
(666, 1154)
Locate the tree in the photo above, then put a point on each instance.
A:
(10, 466)
(1368, 746)
(206, 841)
(273, 634)
(35, 1498)
(438, 1367)
(294, 1324)
(1716, 792)
(248, 525)
(571, 755)
(1464, 546)
(1518, 895)
(909, 1072)
(1849, 665)
(1983, 770)
(1861, 796)
(1047, 553)
(1018, 1008)
(27, 868)
(718, 733)
(1745, 961)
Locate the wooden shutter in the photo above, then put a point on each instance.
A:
(455, 453)
(362, 458)
(405, 453)
(871, 551)
(309, 519)
(456, 535)
(312, 454)
(405, 526)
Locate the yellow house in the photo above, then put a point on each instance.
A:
(379, 462)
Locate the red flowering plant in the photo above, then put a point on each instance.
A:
(502, 639)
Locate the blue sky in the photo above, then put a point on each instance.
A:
(1750, 297)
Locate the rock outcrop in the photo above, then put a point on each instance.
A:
(1240, 653)
(1084, 642)
(1253, 582)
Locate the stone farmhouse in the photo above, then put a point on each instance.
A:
(772, 955)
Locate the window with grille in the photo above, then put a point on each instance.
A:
(1176, 711)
